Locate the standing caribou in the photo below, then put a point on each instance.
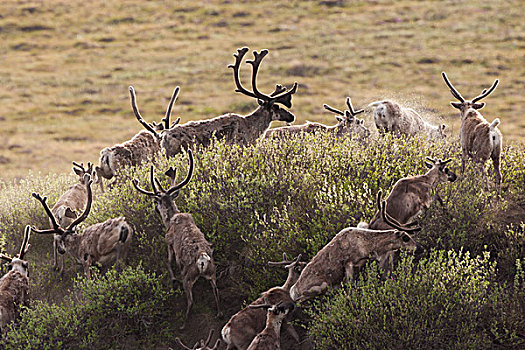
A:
(14, 285)
(103, 243)
(242, 327)
(391, 117)
(479, 139)
(142, 147)
(347, 125)
(233, 128)
(193, 253)
(351, 248)
(68, 206)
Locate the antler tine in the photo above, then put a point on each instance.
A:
(378, 199)
(6, 257)
(88, 204)
(433, 160)
(256, 62)
(443, 162)
(181, 344)
(81, 166)
(90, 168)
(278, 89)
(392, 222)
(453, 90)
(152, 179)
(166, 119)
(188, 177)
(160, 186)
(135, 184)
(236, 67)
(486, 92)
(25, 246)
(285, 261)
(56, 228)
(332, 109)
(137, 113)
(209, 337)
(351, 108)
(177, 121)
(286, 97)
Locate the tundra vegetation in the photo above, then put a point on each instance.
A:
(251, 202)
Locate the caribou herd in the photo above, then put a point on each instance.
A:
(258, 325)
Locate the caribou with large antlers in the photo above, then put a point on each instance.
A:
(479, 139)
(193, 253)
(141, 148)
(103, 243)
(390, 116)
(233, 128)
(242, 327)
(348, 124)
(349, 250)
(14, 285)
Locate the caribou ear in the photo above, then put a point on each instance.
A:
(260, 102)
(443, 126)
(479, 105)
(77, 171)
(430, 166)
(339, 119)
(456, 104)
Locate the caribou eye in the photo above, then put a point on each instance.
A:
(25, 266)
(406, 238)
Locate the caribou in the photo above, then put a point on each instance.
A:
(104, 243)
(479, 139)
(233, 128)
(193, 253)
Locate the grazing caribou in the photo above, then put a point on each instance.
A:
(479, 139)
(193, 253)
(234, 128)
(391, 117)
(351, 248)
(348, 125)
(104, 243)
(14, 285)
(242, 327)
(270, 337)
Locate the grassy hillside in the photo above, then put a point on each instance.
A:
(66, 65)
(257, 202)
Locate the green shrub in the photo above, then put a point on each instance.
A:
(446, 301)
(119, 310)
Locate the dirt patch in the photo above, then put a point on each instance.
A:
(4, 160)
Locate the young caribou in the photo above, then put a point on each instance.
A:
(193, 253)
(350, 249)
(14, 285)
(348, 124)
(391, 117)
(142, 147)
(242, 327)
(270, 337)
(234, 128)
(103, 243)
(69, 205)
(479, 139)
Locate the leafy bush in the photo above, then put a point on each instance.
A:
(117, 310)
(447, 301)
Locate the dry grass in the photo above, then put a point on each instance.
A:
(66, 65)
